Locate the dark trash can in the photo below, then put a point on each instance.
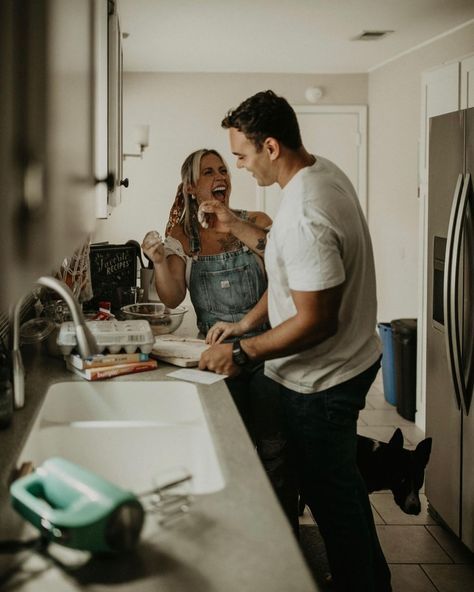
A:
(404, 356)
(388, 367)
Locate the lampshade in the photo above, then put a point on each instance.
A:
(141, 135)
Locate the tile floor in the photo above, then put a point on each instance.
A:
(423, 556)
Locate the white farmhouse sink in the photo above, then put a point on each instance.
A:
(130, 432)
(164, 401)
(133, 457)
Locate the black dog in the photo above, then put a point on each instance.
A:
(390, 466)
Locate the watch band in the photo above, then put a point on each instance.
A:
(239, 357)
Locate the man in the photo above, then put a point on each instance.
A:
(322, 352)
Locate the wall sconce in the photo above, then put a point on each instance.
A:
(313, 94)
(141, 137)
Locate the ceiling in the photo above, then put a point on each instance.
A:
(279, 36)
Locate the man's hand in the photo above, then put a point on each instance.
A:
(218, 359)
(222, 330)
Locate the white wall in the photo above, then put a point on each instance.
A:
(185, 112)
(394, 128)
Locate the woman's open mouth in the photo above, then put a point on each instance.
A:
(219, 192)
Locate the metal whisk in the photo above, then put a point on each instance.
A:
(167, 501)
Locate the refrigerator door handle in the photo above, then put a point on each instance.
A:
(450, 292)
(458, 241)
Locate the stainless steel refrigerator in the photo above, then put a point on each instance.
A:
(450, 323)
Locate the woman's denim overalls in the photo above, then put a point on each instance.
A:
(225, 287)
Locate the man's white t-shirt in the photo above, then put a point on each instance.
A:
(320, 239)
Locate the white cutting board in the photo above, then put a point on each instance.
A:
(179, 351)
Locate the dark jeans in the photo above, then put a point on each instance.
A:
(322, 432)
(261, 408)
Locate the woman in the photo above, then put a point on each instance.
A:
(225, 278)
(204, 251)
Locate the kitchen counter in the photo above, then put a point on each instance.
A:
(233, 540)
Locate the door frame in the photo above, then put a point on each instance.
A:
(361, 112)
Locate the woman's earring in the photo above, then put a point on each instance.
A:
(193, 196)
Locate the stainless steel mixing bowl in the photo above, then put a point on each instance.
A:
(162, 320)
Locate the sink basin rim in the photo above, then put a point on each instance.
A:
(139, 400)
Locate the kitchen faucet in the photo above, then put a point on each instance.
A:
(86, 343)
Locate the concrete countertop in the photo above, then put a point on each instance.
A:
(233, 540)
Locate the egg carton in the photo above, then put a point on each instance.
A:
(111, 335)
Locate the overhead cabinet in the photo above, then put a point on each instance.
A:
(46, 110)
(114, 108)
(60, 146)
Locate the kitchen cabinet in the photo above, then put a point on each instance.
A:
(46, 111)
(61, 140)
(114, 108)
(108, 109)
(100, 69)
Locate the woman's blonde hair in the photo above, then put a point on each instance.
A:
(190, 173)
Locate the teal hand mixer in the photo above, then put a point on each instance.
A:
(77, 508)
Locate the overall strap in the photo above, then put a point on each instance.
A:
(194, 240)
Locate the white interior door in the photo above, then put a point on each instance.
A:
(338, 133)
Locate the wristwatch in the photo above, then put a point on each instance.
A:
(239, 357)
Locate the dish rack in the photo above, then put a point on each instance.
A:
(111, 335)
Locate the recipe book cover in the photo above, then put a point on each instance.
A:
(111, 371)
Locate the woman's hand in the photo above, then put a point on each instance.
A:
(221, 330)
(153, 247)
(223, 214)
